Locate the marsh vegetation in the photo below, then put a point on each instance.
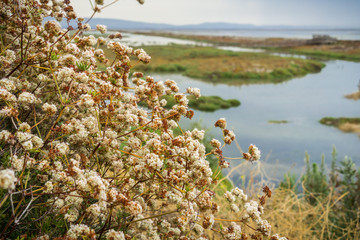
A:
(216, 65)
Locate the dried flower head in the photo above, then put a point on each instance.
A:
(221, 123)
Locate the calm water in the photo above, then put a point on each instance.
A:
(301, 101)
(141, 40)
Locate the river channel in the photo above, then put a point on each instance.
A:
(302, 102)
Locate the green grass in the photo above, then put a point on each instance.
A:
(319, 53)
(203, 103)
(345, 50)
(212, 103)
(336, 122)
(278, 121)
(216, 65)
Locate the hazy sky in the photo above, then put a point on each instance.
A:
(343, 13)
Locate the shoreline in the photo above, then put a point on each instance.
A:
(340, 49)
(349, 125)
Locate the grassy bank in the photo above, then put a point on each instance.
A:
(216, 65)
(331, 121)
(322, 52)
(248, 42)
(342, 49)
(344, 124)
(204, 103)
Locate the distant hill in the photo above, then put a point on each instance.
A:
(117, 24)
(218, 26)
(134, 25)
(129, 25)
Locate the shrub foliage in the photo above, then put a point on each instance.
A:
(332, 203)
(81, 160)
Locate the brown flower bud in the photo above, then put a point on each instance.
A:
(246, 156)
(221, 123)
(267, 191)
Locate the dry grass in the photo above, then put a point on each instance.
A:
(346, 47)
(289, 213)
(350, 128)
(295, 218)
(353, 96)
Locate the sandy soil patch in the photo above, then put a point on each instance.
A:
(350, 127)
(353, 96)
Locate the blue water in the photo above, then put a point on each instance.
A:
(301, 101)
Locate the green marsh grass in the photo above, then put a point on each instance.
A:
(203, 103)
(216, 65)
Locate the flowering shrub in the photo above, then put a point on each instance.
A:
(81, 160)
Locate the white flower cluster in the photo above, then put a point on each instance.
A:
(194, 91)
(5, 136)
(7, 179)
(5, 95)
(254, 153)
(80, 231)
(7, 84)
(142, 55)
(8, 58)
(50, 109)
(251, 209)
(78, 138)
(277, 237)
(27, 140)
(115, 235)
(233, 232)
(27, 98)
(101, 28)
